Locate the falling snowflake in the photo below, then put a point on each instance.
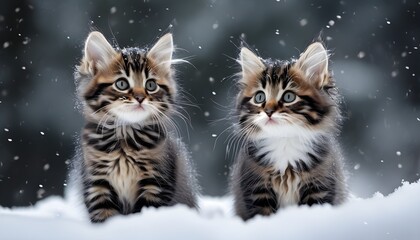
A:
(303, 22)
(394, 73)
(40, 193)
(46, 167)
(282, 43)
(361, 54)
(26, 41)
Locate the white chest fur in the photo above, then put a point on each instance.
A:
(286, 187)
(282, 152)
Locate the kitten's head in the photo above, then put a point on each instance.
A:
(126, 86)
(286, 99)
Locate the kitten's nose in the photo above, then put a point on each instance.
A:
(139, 98)
(269, 112)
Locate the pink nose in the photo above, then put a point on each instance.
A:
(269, 112)
(139, 99)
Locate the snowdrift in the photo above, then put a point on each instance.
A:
(392, 217)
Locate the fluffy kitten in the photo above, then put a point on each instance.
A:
(129, 157)
(288, 122)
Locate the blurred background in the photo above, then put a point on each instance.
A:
(375, 60)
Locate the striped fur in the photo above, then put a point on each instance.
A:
(289, 153)
(130, 157)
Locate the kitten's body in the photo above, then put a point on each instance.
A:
(130, 158)
(289, 152)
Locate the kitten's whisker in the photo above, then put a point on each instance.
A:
(97, 111)
(238, 142)
(175, 112)
(220, 105)
(220, 134)
(169, 121)
(185, 99)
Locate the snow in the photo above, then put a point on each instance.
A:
(392, 217)
(303, 22)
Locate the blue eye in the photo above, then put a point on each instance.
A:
(289, 97)
(151, 85)
(122, 84)
(259, 97)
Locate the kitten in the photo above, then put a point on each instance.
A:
(288, 122)
(129, 156)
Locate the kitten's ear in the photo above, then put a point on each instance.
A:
(314, 63)
(98, 52)
(161, 53)
(252, 66)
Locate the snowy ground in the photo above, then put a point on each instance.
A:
(392, 217)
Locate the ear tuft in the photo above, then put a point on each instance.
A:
(98, 51)
(314, 63)
(252, 66)
(161, 52)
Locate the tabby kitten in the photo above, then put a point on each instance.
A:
(130, 158)
(288, 122)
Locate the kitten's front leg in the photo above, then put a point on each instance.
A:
(317, 192)
(101, 200)
(154, 192)
(258, 197)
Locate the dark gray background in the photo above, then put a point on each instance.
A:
(375, 46)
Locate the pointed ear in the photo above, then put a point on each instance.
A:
(252, 66)
(314, 64)
(98, 52)
(161, 53)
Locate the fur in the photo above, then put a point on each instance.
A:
(289, 153)
(130, 156)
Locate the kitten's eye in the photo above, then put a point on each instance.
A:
(289, 97)
(122, 84)
(151, 85)
(259, 97)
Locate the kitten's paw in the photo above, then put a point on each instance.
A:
(100, 215)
